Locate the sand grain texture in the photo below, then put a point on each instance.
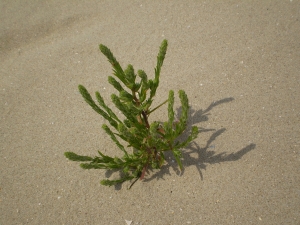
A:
(239, 64)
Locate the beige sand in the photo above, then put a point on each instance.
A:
(239, 63)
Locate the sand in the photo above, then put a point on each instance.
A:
(239, 64)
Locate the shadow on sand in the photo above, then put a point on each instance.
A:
(205, 155)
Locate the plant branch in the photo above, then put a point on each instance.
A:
(158, 106)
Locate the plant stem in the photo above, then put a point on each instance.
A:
(133, 182)
(145, 119)
(158, 106)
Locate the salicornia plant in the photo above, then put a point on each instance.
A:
(148, 141)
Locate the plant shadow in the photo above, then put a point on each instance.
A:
(204, 155)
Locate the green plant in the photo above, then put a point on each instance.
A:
(149, 142)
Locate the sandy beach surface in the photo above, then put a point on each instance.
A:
(239, 63)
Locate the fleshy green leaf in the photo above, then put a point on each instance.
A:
(129, 74)
(160, 59)
(103, 105)
(115, 83)
(192, 136)
(123, 108)
(113, 137)
(87, 97)
(169, 126)
(74, 157)
(181, 126)
(107, 182)
(177, 154)
(118, 71)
